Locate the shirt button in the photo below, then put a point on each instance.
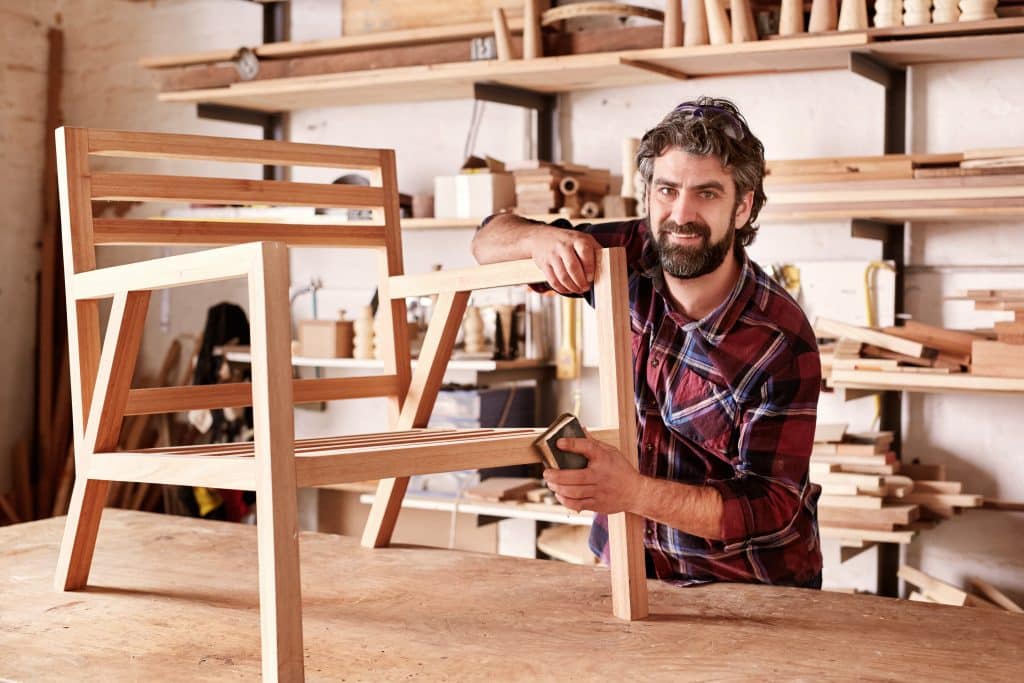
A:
(654, 362)
(650, 532)
(650, 447)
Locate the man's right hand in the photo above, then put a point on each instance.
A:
(567, 258)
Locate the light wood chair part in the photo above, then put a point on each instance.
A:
(274, 464)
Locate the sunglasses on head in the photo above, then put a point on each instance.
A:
(733, 128)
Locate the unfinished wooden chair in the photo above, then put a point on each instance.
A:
(274, 464)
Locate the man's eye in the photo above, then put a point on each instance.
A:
(667, 191)
(708, 194)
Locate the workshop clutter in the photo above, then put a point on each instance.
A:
(868, 495)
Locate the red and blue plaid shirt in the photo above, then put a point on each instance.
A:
(727, 401)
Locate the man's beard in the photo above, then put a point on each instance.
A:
(688, 262)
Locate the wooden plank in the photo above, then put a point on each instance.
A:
(502, 274)
(993, 504)
(615, 367)
(997, 359)
(966, 500)
(143, 187)
(369, 17)
(954, 342)
(833, 328)
(829, 433)
(850, 501)
(210, 148)
(852, 517)
(901, 537)
(940, 591)
(210, 265)
(994, 594)
(273, 436)
(237, 394)
(135, 231)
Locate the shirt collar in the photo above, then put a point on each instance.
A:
(716, 324)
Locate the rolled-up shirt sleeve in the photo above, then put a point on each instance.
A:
(774, 448)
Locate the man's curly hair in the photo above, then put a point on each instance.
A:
(711, 126)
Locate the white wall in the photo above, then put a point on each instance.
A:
(955, 106)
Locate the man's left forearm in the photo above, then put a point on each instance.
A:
(695, 510)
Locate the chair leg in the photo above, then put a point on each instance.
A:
(629, 576)
(387, 503)
(280, 591)
(87, 500)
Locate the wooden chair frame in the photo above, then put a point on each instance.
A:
(275, 464)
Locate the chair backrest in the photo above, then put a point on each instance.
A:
(81, 186)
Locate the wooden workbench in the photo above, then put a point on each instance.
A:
(175, 599)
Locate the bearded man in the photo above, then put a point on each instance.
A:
(726, 366)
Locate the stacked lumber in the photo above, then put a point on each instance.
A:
(1003, 356)
(930, 589)
(913, 348)
(868, 496)
(979, 162)
(572, 190)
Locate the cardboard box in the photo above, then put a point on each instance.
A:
(473, 195)
(325, 338)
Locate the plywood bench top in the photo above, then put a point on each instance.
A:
(172, 597)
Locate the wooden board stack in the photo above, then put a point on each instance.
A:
(978, 162)
(572, 190)
(913, 348)
(1003, 356)
(869, 496)
(930, 589)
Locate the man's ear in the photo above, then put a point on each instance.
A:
(744, 207)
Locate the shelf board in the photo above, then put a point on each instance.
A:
(477, 365)
(908, 381)
(615, 69)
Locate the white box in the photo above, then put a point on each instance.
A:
(473, 195)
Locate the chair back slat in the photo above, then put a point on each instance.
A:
(141, 231)
(140, 145)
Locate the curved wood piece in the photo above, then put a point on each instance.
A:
(791, 17)
(743, 29)
(596, 9)
(719, 29)
(673, 35)
(502, 36)
(695, 28)
(824, 16)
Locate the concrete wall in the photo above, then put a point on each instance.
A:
(955, 106)
(23, 57)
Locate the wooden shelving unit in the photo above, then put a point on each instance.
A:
(996, 39)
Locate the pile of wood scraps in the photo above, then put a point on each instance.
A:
(572, 190)
(868, 496)
(913, 348)
(1004, 355)
(898, 186)
(978, 162)
(930, 589)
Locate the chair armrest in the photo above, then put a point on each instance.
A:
(197, 267)
(504, 274)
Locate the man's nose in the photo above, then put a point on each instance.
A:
(684, 209)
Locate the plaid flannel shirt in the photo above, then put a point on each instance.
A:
(727, 401)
